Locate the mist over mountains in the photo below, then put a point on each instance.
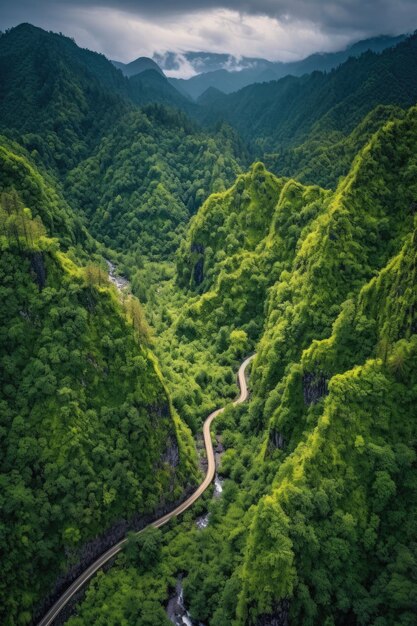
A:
(228, 73)
(151, 238)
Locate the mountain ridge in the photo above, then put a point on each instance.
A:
(137, 66)
(253, 70)
(312, 266)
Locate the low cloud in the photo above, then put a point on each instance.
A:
(274, 29)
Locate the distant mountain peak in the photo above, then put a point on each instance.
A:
(203, 62)
(228, 73)
(139, 65)
(209, 95)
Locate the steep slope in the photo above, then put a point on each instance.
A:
(152, 86)
(320, 108)
(286, 109)
(370, 213)
(322, 465)
(316, 522)
(337, 534)
(139, 65)
(242, 239)
(326, 157)
(90, 443)
(40, 192)
(59, 99)
(148, 177)
(125, 170)
(236, 247)
(273, 258)
(229, 74)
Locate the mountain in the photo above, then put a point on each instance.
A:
(315, 524)
(318, 109)
(85, 418)
(40, 71)
(151, 86)
(326, 61)
(228, 73)
(100, 135)
(146, 178)
(142, 64)
(346, 400)
(311, 266)
(205, 62)
(223, 80)
(329, 281)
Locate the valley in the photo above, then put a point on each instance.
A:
(152, 246)
(114, 550)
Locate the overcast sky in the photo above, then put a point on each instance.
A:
(274, 29)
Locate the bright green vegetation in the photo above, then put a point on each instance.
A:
(236, 248)
(39, 191)
(313, 267)
(344, 501)
(335, 532)
(366, 221)
(323, 158)
(89, 437)
(147, 177)
(317, 517)
(135, 176)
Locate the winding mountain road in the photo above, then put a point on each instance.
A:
(79, 582)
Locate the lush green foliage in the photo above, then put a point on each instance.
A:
(59, 99)
(349, 487)
(330, 536)
(147, 177)
(317, 517)
(39, 191)
(88, 436)
(297, 120)
(236, 248)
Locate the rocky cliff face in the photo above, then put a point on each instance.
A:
(314, 387)
(279, 617)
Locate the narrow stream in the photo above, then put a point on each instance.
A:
(120, 282)
(203, 520)
(176, 611)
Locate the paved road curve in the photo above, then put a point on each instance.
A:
(111, 552)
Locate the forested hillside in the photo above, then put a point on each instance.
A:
(90, 441)
(148, 176)
(316, 522)
(343, 417)
(59, 100)
(311, 265)
(228, 74)
(299, 120)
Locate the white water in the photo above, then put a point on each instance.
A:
(177, 612)
(186, 619)
(218, 486)
(203, 520)
(120, 282)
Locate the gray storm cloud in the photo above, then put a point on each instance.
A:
(275, 29)
(366, 15)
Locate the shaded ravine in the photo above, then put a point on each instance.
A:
(88, 573)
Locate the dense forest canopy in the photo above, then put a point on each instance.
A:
(280, 220)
